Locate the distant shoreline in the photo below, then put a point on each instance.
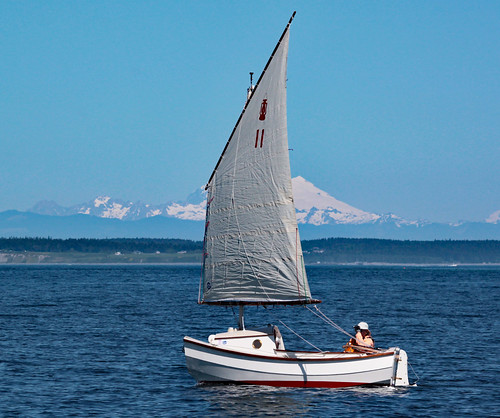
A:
(330, 251)
(194, 264)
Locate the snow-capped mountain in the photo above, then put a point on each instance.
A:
(313, 205)
(494, 218)
(320, 216)
(317, 207)
(106, 207)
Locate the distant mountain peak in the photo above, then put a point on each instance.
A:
(101, 201)
(108, 207)
(320, 216)
(199, 195)
(317, 207)
(494, 218)
(48, 207)
(313, 205)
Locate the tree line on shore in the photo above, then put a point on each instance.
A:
(329, 250)
(89, 245)
(351, 250)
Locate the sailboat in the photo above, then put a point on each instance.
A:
(252, 256)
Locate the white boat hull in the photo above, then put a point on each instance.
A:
(208, 362)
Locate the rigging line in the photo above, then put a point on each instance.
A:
(236, 317)
(322, 316)
(416, 375)
(330, 321)
(339, 328)
(302, 338)
(207, 219)
(304, 276)
(297, 260)
(201, 278)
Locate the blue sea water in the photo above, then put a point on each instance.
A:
(107, 341)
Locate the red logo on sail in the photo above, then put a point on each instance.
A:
(263, 110)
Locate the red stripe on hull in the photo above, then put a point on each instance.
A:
(296, 384)
(306, 384)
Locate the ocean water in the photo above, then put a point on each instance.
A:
(107, 341)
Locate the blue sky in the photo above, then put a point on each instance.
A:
(393, 106)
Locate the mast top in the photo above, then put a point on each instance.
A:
(250, 92)
(251, 88)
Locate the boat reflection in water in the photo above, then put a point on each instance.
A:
(261, 400)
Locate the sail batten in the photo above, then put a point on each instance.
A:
(252, 252)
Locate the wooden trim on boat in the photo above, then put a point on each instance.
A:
(239, 353)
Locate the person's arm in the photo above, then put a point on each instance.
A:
(359, 338)
(366, 341)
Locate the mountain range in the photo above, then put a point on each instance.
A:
(319, 216)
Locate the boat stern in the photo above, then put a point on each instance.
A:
(400, 371)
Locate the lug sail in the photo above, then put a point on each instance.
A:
(252, 251)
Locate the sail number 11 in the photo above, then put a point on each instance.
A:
(257, 138)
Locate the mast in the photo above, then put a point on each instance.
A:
(250, 89)
(241, 320)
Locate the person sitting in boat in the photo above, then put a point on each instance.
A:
(363, 339)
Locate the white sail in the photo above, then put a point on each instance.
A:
(252, 251)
